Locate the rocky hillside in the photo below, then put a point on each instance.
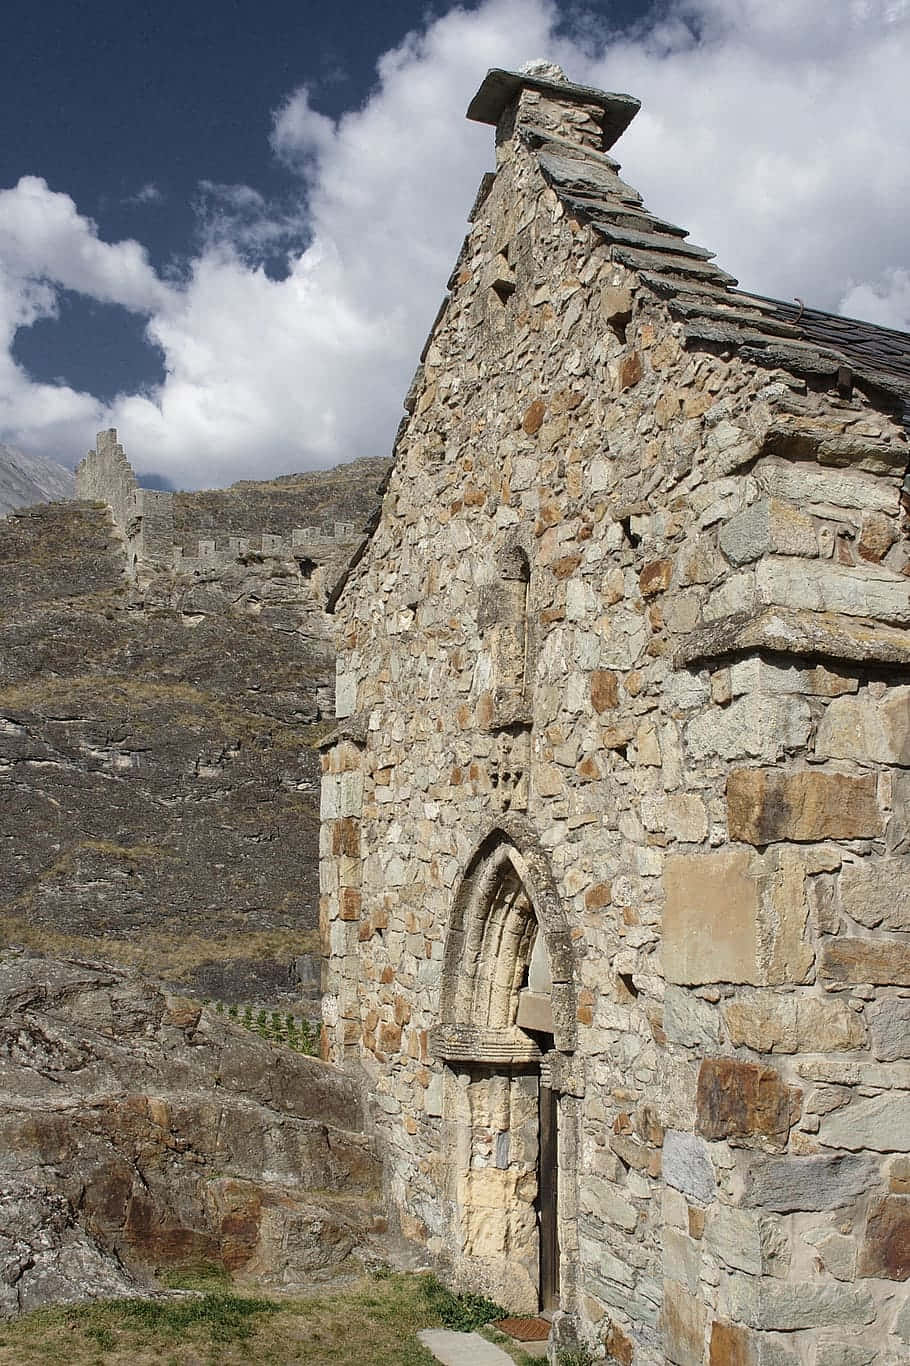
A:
(27, 479)
(158, 777)
(139, 1131)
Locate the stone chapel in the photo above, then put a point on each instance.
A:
(615, 852)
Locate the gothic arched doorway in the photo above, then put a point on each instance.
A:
(507, 1018)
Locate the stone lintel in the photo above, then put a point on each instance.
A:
(501, 88)
(819, 635)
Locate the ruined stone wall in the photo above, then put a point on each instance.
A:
(159, 712)
(143, 517)
(318, 499)
(699, 747)
(106, 476)
(317, 516)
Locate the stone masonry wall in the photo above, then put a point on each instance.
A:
(706, 748)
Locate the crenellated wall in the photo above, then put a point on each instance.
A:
(199, 530)
(160, 710)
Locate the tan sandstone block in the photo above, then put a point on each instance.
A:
(548, 780)
(683, 1319)
(765, 805)
(655, 577)
(534, 416)
(616, 305)
(345, 836)
(828, 1026)
(598, 896)
(710, 923)
(732, 917)
(349, 904)
(618, 1346)
(878, 534)
(731, 1345)
(886, 1247)
(784, 951)
(765, 1022)
(771, 1023)
(604, 690)
(630, 370)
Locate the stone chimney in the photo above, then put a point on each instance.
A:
(540, 97)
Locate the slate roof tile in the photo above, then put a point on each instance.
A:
(766, 331)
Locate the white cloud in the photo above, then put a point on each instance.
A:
(885, 301)
(46, 246)
(149, 193)
(240, 218)
(777, 133)
(44, 237)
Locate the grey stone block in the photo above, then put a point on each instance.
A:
(844, 1354)
(890, 1029)
(733, 1236)
(786, 1184)
(689, 1020)
(880, 1123)
(687, 1166)
(790, 1306)
(902, 1322)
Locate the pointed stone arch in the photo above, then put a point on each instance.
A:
(506, 898)
(510, 1127)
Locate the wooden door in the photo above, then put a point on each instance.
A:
(548, 1186)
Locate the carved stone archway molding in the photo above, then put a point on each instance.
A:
(506, 894)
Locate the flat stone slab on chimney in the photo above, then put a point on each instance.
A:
(462, 1349)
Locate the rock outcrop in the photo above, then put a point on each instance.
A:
(139, 1131)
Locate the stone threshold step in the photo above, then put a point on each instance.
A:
(463, 1349)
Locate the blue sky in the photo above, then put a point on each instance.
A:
(225, 227)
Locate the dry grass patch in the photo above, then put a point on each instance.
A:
(370, 1322)
(157, 955)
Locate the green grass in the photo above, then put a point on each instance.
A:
(462, 1313)
(218, 1317)
(369, 1322)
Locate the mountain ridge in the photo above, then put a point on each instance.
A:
(28, 479)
